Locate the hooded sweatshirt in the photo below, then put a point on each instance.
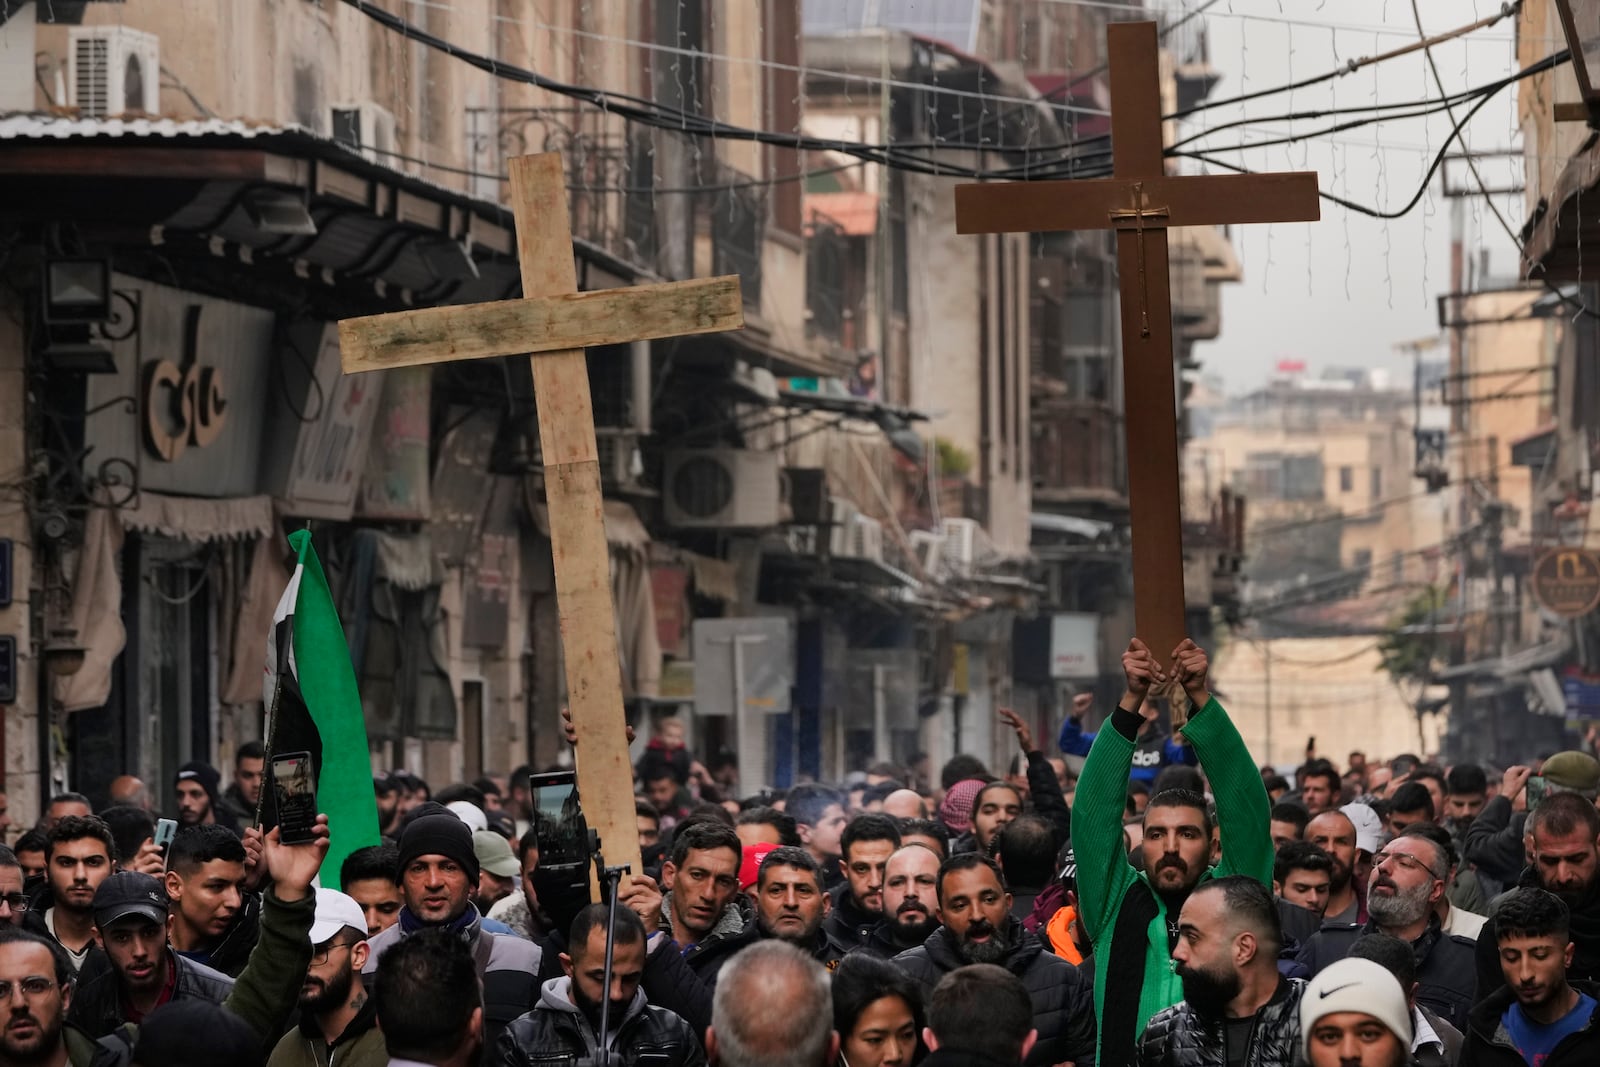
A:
(557, 1029)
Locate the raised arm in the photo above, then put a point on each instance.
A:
(1102, 850)
(1048, 800)
(1243, 808)
(1073, 741)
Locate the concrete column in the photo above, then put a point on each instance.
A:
(22, 779)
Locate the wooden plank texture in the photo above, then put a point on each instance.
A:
(1086, 204)
(540, 324)
(577, 520)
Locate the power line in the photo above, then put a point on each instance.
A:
(1548, 63)
(1370, 509)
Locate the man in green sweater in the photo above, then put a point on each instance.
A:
(1132, 915)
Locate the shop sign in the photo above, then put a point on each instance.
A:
(320, 428)
(1566, 582)
(1074, 645)
(186, 394)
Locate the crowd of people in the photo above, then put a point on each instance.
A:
(1171, 904)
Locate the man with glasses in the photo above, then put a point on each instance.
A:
(13, 901)
(1408, 879)
(130, 915)
(338, 1020)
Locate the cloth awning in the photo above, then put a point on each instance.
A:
(200, 520)
(623, 528)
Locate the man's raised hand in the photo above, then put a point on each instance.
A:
(294, 867)
(1024, 735)
(1190, 665)
(570, 729)
(1142, 671)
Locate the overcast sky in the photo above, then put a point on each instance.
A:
(1344, 291)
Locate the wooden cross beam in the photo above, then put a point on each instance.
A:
(1141, 201)
(555, 319)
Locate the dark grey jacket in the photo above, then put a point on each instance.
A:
(1063, 996)
(1182, 1037)
(1447, 978)
(1493, 844)
(97, 1002)
(556, 1032)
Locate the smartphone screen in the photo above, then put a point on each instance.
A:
(294, 786)
(166, 830)
(562, 832)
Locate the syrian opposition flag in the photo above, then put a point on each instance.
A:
(313, 706)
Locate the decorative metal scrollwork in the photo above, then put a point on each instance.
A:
(122, 324)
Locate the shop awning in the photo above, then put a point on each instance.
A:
(1554, 239)
(1516, 664)
(184, 518)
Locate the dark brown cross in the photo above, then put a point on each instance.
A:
(1141, 201)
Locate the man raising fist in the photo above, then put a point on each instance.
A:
(1131, 915)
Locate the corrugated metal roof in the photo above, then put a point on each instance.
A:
(954, 22)
(30, 126)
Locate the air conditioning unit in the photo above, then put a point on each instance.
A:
(721, 488)
(866, 539)
(961, 540)
(929, 548)
(113, 70)
(841, 527)
(367, 128)
(618, 451)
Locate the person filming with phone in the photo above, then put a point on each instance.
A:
(438, 872)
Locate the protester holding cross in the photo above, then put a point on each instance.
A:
(1131, 915)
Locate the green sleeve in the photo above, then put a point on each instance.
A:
(1098, 842)
(268, 988)
(1243, 808)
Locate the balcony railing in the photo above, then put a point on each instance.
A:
(834, 301)
(1077, 452)
(609, 170)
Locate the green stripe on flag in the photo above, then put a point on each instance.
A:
(328, 687)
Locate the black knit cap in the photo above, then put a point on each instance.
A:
(167, 1038)
(438, 835)
(208, 777)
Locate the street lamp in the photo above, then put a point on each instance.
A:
(1580, 21)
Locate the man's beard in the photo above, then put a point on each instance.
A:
(1576, 896)
(1208, 992)
(911, 925)
(1175, 863)
(1338, 878)
(41, 1047)
(330, 994)
(997, 948)
(1405, 907)
(804, 939)
(591, 1010)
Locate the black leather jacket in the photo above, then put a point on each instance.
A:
(556, 1032)
(97, 1002)
(1062, 995)
(1182, 1037)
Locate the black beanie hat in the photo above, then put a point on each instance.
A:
(439, 835)
(208, 777)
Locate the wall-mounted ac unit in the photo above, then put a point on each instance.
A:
(961, 542)
(721, 488)
(620, 461)
(929, 548)
(867, 539)
(841, 527)
(367, 128)
(113, 70)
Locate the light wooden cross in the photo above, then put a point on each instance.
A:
(1140, 202)
(554, 319)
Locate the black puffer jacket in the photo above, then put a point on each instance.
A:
(1182, 1037)
(849, 924)
(1063, 997)
(556, 1032)
(97, 1002)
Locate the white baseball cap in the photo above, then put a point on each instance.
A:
(1355, 985)
(1369, 828)
(469, 813)
(335, 911)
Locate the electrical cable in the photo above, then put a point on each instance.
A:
(1548, 63)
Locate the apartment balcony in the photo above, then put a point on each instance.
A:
(1079, 463)
(610, 170)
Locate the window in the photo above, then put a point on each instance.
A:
(1361, 560)
(1377, 483)
(1347, 479)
